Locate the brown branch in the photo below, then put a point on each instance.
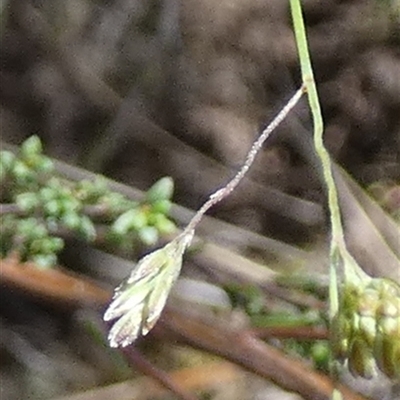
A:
(51, 284)
(136, 360)
(9, 209)
(289, 332)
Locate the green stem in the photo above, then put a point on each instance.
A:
(337, 245)
(338, 250)
(312, 94)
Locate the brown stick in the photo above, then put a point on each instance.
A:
(296, 332)
(136, 360)
(51, 284)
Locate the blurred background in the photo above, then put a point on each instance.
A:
(137, 90)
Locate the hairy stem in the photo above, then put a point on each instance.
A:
(220, 194)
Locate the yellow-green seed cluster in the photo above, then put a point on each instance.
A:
(366, 331)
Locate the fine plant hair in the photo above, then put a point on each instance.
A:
(220, 194)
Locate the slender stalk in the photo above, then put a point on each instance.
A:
(309, 82)
(220, 194)
(337, 245)
(338, 251)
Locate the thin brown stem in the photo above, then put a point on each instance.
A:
(285, 332)
(9, 209)
(138, 361)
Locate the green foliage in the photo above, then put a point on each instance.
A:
(40, 208)
(160, 191)
(251, 299)
(320, 352)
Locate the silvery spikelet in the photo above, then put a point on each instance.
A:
(137, 303)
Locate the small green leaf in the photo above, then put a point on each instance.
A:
(320, 353)
(148, 235)
(69, 204)
(71, 220)
(31, 146)
(47, 245)
(86, 228)
(91, 191)
(53, 208)
(47, 194)
(161, 206)
(38, 246)
(45, 261)
(134, 219)
(163, 224)
(6, 160)
(22, 172)
(29, 228)
(44, 165)
(27, 202)
(117, 203)
(161, 190)
(56, 244)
